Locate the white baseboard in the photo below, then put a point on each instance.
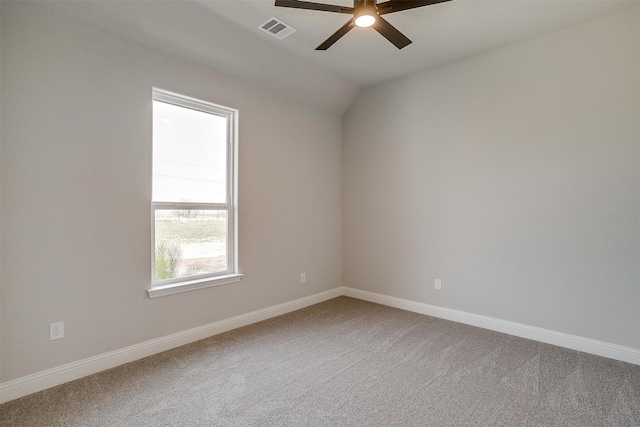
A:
(52, 377)
(586, 345)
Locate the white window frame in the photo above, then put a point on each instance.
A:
(160, 288)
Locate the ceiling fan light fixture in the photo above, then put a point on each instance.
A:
(365, 13)
(365, 16)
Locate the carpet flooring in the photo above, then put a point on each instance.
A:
(347, 362)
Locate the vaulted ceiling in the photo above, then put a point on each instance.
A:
(224, 35)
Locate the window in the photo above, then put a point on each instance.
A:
(193, 200)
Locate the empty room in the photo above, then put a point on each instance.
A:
(326, 213)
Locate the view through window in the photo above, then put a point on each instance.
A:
(193, 206)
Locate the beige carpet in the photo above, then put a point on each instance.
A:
(347, 362)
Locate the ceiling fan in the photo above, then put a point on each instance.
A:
(366, 13)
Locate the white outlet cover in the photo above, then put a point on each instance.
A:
(438, 284)
(56, 331)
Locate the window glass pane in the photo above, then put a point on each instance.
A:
(189, 155)
(190, 243)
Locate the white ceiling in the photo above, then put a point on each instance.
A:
(223, 34)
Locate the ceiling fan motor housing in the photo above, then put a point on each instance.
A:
(364, 3)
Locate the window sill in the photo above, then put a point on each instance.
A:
(192, 285)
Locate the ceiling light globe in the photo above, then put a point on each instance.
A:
(365, 15)
(365, 20)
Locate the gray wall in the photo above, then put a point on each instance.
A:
(513, 176)
(76, 188)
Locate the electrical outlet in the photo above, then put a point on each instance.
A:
(56, 331)
(438, 284)
(303, 277)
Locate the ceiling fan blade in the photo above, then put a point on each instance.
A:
(336, 36)
(399, 5)
(390, 33)
(314, 6)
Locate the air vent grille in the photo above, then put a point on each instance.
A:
(277, 28)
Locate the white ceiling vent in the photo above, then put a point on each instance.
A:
(277, 28)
